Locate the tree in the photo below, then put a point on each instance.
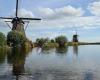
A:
(15, 38)
(61, 40)
(41, 41)
(52, 41)
(2, 39)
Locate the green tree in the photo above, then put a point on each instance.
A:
(52, 41)
(2, 39)
(41, 41)
(61, 40)
(15, 38)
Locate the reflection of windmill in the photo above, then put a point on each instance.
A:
(75, 50)
(16, 57)
(18, 22)
(75, 36)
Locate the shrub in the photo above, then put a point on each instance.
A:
(61, 40)
(41, 41)
(15, 38)
(2, 39)
(50, 45)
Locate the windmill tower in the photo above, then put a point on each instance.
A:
(18, 22)
(75, 36)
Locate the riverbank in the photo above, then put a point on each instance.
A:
(49, 45)
(82, 43)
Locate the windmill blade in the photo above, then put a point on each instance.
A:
(8, 24)
(5, 18)
(30, 18)
(17, 8)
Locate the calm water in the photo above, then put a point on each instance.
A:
(70, 63)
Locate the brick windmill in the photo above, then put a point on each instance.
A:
(18, 22)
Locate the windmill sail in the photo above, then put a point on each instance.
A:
(16, 8)
(5, 18)
(18, 23)
(30, 18)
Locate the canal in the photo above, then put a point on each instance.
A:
(70, 63)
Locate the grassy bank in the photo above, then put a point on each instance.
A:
(55, 45)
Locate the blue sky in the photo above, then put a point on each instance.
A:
(59, 17)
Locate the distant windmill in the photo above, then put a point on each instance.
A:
(17, 22)
(75, 36)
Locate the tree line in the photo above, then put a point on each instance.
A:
(59, 41)
(15, 38)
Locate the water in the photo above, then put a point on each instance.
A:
(70, 63)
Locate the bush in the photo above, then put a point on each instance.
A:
(50, 45)
(2, 39)
(52, 41)
(15, 38)
(61, 40)
(41, 41)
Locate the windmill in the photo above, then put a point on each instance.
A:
(18, 22)
(75, 36)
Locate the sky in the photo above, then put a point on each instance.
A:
(59, 17)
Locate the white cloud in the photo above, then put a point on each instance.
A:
(79, 22)
(65, 17)
(69, 11)
(45, 11)
(95, 8)
(57, 13)
(23, 13)
(61, 18)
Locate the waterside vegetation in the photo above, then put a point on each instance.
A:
(17, 39)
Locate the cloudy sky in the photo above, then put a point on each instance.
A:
(59, 17)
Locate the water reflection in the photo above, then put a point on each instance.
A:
(55, 74)
(88, 75)
(47, 51)
(17, 58)
(49, 66)
(75, 50)
(38, 50)
(61, 50)
(3, 53)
